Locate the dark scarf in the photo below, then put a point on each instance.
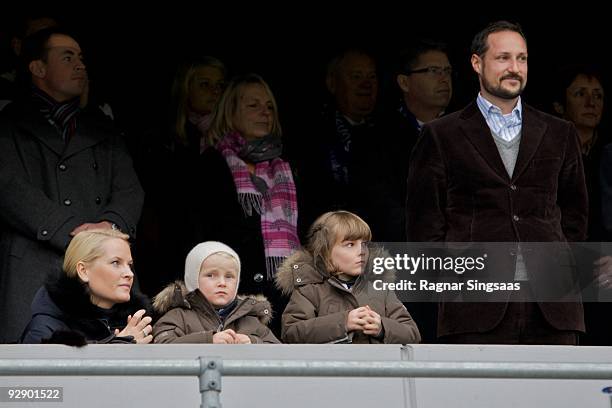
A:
(403, 110)
(62, 116)
(266, 148)
(349, 283)
(225, 311)
(340, 148)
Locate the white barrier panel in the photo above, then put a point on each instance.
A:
(309, 392)
(175, 392)
(511, 393)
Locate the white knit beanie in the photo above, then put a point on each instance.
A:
(198, 254)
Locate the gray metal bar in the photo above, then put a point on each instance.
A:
(283, 368)
(445, 369)
(35, 367)
(210, 381)
(408, 384)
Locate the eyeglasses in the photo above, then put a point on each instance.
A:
(433, 71)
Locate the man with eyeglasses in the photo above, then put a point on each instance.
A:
(501, 171)
(423, 75)
(424, 78)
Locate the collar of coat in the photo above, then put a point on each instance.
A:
(176, 295)
(73, 299)
(91, 130)
(472, 124)
(301, 269)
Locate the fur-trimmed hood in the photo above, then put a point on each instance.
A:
(176, 295)
(300, 269)
(62, 312)
(73, 300)
(297, 270)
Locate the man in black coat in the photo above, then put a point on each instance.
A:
(61, 172)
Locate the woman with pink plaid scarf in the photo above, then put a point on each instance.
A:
(248, 198)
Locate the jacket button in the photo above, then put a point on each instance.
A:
(515, 217)
(266, 311)
(513, 187)
(44, 233)
(296, 266)
(298, 280)
(67, 202)
(98, 200)
(258, 278)
(62, 167)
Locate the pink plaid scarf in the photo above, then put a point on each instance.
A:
(277, 207)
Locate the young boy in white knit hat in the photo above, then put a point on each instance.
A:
(206, 308)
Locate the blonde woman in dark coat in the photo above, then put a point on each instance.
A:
(94, 301)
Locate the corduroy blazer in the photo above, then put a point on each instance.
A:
(460, 191)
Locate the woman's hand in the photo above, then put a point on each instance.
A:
(138, 327)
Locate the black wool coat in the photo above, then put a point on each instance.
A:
(48, 188)
(63, 313)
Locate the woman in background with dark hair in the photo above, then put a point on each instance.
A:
(579, 98)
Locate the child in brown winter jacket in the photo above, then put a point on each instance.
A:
(331, 300)
(206, 308)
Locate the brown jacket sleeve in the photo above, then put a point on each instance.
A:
(263, 336)
(300, 324)
(171, 328)
(257, 331)
(397, 323)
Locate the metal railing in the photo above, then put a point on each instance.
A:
(211, 369)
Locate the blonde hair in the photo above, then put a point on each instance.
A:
(331, 228)
(226, 109)
(180, 91)
(86, 246)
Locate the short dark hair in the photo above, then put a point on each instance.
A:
(479, 43)
(20, 27)
(409, 55)
(564, 77)
(34, 47)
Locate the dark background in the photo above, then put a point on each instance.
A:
(131, 56)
